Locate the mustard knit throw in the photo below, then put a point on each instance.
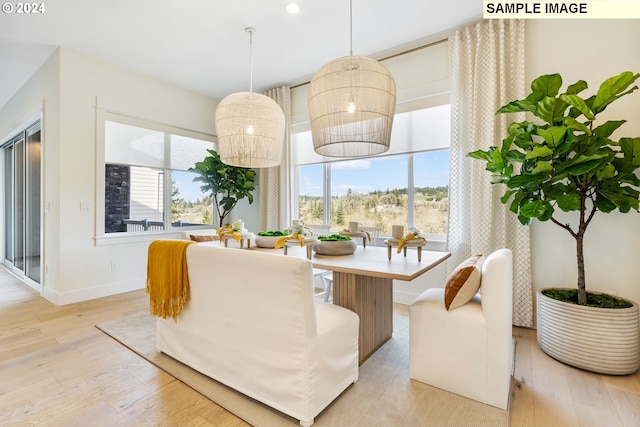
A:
(167, 277)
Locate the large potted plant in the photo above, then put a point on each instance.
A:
(227, 184)
(563, 160)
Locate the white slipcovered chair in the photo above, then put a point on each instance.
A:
(467, 350)
(253, 325)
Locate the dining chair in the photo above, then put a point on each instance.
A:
(374, 232)
(325, 276)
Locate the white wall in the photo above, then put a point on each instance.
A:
(74, 267)
(591, 50)
(40, 96)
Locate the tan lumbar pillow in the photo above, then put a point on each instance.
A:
(463, 283)
(200, 238)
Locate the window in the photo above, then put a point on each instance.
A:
(147, 184)
(408, 185)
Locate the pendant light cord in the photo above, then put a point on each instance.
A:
(250, 30)
(350, 27)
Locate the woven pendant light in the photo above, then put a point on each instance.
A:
(352, 102)
(250, 127)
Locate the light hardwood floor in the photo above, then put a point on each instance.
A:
(57, 369)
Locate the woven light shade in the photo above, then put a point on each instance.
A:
(250, 129)
(352, 102)
(250, 126)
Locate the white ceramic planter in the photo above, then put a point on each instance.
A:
(606, 341)
(336, 247)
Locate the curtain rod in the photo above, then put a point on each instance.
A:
(395, 55)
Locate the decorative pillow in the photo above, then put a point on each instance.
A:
(202, 238)
(463, 283)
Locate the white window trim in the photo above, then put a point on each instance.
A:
(122, 113)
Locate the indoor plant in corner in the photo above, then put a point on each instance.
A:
(563, 160)
(227, 184)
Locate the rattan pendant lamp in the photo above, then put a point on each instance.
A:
(352, 101)
(250, 126)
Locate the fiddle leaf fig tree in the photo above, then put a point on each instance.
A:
(227, 184)
(564, 160)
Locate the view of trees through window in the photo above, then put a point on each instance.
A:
(382, 209)
(188, 204)
(376, 192)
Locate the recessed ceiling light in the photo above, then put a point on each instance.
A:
(292, 8)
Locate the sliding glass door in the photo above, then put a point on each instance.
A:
(22, 159)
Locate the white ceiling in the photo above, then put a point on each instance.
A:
(202, 45)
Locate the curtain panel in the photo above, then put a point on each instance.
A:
(487, 72)
(275, 183)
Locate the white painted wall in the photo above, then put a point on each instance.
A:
(75, 268)
(591, 50)
(40, 96)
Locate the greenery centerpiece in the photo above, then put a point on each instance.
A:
(335, 244)
(226, 184)
(276, 233)
(334, 238)
(564, 160)
(269, 239)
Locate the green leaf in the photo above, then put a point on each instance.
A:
(520, 181)
(630, 148)
(546, 109)
(539, 151)
(583, 167)
(533, 209)
(612, 89)
(553, 135)
(576, 125)
(577, 87)
(515, 156)
(548, 84)
(542, 167)
(607, 172)
(524, 220)
(606, 129)
(603, 204)
(569, 202)
(578, 103)
(517, 107)
(556, 191)
(507, 195)
(481, 155)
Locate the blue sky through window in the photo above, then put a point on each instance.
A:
(381, 173)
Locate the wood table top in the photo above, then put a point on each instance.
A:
(371, 261)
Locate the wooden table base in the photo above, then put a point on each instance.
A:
(371, 298)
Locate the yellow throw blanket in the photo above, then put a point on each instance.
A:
(299, 237)
(167, 277)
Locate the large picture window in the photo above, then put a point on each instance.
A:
(147, 183)
(408, 186)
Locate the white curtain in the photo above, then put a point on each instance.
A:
(487, 72)
(274, 184)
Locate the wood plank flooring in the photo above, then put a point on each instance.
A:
(57, 369)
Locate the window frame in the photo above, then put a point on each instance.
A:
(108, 111)
(436, 241)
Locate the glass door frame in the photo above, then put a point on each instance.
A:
(22, 184)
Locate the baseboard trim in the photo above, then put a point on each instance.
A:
(79, 295)
(403, 297)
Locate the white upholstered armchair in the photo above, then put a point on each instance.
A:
(467, 350)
